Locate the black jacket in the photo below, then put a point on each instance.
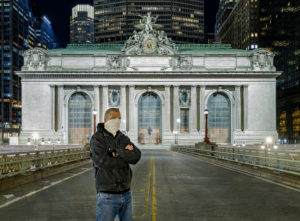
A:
(113, 174)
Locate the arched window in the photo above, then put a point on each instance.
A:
(219, 118)
(79, 118)
(149, 119)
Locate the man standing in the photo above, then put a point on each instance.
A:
(112, 152)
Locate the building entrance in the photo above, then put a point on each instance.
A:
(219, 118)
(79, 118)
(149, 119)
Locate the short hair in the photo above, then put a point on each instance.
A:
(108, 111)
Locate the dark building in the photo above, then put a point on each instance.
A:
(225, 8)
(273, 25)
(82, 25)
(241, 26)
(183, 20)
(288, 114)
(18, 33)
(45, 35)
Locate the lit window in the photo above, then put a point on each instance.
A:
(184, 120)
(296, 123)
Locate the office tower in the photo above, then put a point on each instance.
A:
(225, 8)
(18, 33)
(183, 21)
(45, 34)
(82, 25)
(273, 25)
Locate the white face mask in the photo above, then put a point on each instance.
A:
(113, 126)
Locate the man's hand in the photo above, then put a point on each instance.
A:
(129, 147)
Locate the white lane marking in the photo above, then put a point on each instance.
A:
(248, 174)
(43, 188)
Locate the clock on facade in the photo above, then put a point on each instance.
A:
(149, 45)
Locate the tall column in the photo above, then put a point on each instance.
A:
(104, 101)
(245, 107)
(60, 109)
(166, 122)
(193, 109)
(238, 107)
(176, 108)
(123, 107)
(202, 108)
(132, 114)
(97, 103)
(52, 88)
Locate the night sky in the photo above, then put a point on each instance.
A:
(59, 12)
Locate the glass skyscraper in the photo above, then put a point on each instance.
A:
(18, 32)
(183, 20)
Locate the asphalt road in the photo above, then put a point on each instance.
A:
(167, 186)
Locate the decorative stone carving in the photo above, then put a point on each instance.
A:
(185, 98)
(149, 40)
(114, 97)
(262, 60)
(182, 63)
(116, 62)
(35, 60)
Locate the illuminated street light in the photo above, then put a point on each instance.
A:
(94, 115)
(124, 127)
(206, 139)
(269, 140)
(35, 137)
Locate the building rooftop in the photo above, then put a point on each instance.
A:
(116, 48)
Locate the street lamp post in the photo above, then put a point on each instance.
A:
(267, 145)
(94, 115)
(206, 139)
(177, 132)
(35, 137)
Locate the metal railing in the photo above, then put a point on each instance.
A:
(279, 160)
(18, 163)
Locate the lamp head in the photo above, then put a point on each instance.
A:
(269, 140)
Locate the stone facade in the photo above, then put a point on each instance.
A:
(181, 76)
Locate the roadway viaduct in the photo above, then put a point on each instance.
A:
(166, 186)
